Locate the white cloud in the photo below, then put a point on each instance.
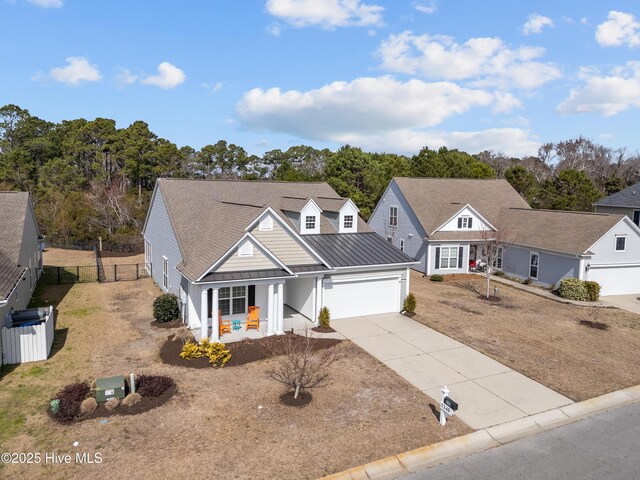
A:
(427, 8)
(536, 23)
(126, 77)
(619, 29)
(169, 76)
(46, 3)
(607, 95)
(326, 13)
(484, 61)
(77, 70)
(274, 29)
(380, 113)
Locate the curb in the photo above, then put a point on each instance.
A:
(422, 458)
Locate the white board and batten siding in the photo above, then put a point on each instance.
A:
(29, 343)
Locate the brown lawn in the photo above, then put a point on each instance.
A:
(65, 258)
(540, 338)
(213, 427)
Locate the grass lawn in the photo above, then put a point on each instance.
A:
(63, 258)
(538, 337)
(212, 427)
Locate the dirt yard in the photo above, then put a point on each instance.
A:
(214, 425)
(66, 258)
(540, 338)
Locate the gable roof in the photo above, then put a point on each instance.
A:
(210, 216)
(13, 213)
(436, 200)
(557, 230)
(629, 197)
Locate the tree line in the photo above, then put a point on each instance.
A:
(89, 178)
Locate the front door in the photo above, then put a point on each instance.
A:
(251, 301)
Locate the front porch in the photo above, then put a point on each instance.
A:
(292, 320)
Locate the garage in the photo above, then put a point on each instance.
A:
(298, 294)
(354, 297)
(616, 280)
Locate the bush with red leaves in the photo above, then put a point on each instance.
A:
(70, 398)
(153, 385)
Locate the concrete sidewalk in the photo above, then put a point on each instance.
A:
(488, 392)
(630, 303)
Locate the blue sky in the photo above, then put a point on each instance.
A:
(383, 75)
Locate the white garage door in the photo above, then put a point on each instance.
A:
(357, 297)
(616, 280)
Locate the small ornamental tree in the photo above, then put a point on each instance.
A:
(494, 244)
(324, 318)
(410, 303)
(166, 308)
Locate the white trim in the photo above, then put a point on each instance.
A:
(266, 224)
(347, 279)
(401, 244)
(457, 249)
(165, 273)
(531, 253)
(621, 235)
(396, 216)
(246, 249)
(349, 202)
(484, 220)
(626, 219)
(612, 265)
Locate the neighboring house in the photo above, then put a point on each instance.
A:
(20, 253)
(625, 202)
(440, 222)
(226, 245)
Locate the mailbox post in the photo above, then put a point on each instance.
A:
(443, 418)
(447, 406)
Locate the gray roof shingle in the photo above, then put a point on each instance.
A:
(13, 213)
(629, 197)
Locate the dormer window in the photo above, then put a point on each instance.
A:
(310, 222)
(465, 222)
(246, 249)
(393, 216)
(348, 222)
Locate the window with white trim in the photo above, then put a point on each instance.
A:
(310, 222)
(497, 259)
(448, 257)
(266, 224)
(246, 249)
(636, 217)
(402, 244)
(393, 216)
(347, 222)
(621, 243)
(232, 300)
(147, 256)
(465, 222)
(165, 273)
(534, 264)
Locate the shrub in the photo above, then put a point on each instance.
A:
(153, 385)
(216, 352)
(166, 308)
(573, 289)
(593, 290)
(112, 404)
(409, 303)
(528, 281)
(499, 273)
(131, 400)
(71, 398)
(436, 278)
(190, 351)
(88, 405)
(324, 318)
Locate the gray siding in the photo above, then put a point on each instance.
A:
(605, 251)
(283, 245)
(159, 233)
(448, 271)
(334, 219)
(551, 268)
(408, 224)
(628, 211)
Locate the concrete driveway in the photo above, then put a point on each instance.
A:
(488, 392)
(629, 303)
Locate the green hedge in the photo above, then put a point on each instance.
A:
(436, 278)
(573, 289)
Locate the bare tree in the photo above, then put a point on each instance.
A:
(303, 364)
(495, 243)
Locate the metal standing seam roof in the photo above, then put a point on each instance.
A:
(245, 275)
(629, 197)
(356, 249)
(308, 268)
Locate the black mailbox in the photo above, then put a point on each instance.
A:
(450, 403)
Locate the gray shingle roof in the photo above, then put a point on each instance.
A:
(210, 216)
(13, 212)
(355, 249)
(436, 200)
(629, 197)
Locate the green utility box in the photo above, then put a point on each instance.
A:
(110, 387)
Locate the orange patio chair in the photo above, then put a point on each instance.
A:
(253, 319)
(225, 326)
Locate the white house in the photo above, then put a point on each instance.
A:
(440, 222)
(223, 246)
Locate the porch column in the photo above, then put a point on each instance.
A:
(318, 297)
(270, 314)
(280, 310)
(204, 322)
(215, 327)
(314, 303)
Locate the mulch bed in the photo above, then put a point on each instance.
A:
(304, 398)
(146, 404)
(490, 298)
(409, 314)
(242, 352)
(173, 324)
(323, 329)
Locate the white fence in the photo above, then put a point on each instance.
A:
(29, 343)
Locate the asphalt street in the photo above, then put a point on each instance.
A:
(603, 447)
